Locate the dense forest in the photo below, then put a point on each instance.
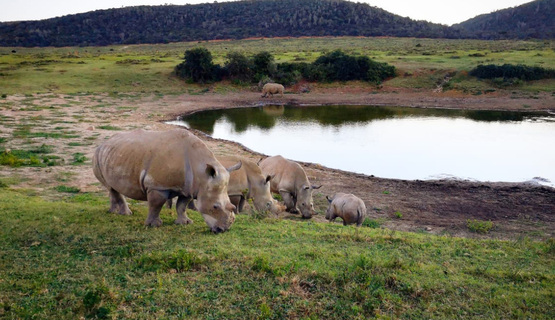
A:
(251, 18)
(531, 20)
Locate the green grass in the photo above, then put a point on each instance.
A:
(133, 69)
(69, 258)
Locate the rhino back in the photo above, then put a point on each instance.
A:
(136, 161)
(287, 175)
(238, 179)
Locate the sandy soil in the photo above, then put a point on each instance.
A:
(438, 207)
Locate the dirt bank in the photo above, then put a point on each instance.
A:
(439, 207)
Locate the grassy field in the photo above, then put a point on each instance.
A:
(421, 63)
(62, 256)
(69, 258)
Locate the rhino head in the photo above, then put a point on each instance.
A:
(212, 200)
(304, 200)
(262, 197)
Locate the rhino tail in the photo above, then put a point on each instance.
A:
(361, 213)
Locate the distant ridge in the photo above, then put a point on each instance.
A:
(531, 20)
(239, 20)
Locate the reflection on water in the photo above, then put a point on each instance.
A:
(394, 142)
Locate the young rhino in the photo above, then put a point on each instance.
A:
(291, 182)
(249, 183)
(347, 207)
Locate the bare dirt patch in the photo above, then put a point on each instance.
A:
(439, 207)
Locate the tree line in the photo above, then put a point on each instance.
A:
(198, 67)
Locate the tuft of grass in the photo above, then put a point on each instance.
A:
(479, 226)
(109, 127)
(67, 189)
(371, 223)
(78, 158)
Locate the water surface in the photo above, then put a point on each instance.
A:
(395, 142)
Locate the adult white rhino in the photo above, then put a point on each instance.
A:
(290, 181)
(155, 166)
(249, 183)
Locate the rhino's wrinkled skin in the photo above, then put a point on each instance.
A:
(290, 181)
(249, 183)
(271, 89)
(155, 166)
(348, 207)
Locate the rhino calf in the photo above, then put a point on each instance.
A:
(271, 89)
(156, 166)
(290, 181)
(348, 207)
(249, 183)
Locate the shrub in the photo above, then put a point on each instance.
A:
(238, 67)
(509, 71)
(479, 226)
(198, 66)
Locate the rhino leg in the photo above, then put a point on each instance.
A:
(169, 203)
(118, 203)
(289, 202)
(181, 207)
(156, 200)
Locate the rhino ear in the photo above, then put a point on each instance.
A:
(316, 187)
(268, 178)
(329, 200)
(236, 166)
(210, 171)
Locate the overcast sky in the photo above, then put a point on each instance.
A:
(438, 11)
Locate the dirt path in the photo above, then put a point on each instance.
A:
(439, 207)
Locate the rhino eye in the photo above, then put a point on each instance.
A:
(216, 206)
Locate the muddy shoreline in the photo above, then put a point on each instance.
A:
(433, 206)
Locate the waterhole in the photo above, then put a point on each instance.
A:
(396, 142)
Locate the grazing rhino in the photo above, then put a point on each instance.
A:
(272, 88)
(156, 166)
(249, 183)
(291, 182)
(347, 207)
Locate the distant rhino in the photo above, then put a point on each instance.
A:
(347, 207)
(249, 183)
(290, 181)
(272, 88)
(155, 166)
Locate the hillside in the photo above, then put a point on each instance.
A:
(230, 20)
(531, 20)
(266, 18)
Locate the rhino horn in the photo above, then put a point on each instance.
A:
(236, 166)
(316, 187)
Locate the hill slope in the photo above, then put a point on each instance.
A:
(531, 20)
(229, 20)
(266, 18)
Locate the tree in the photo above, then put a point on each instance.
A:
(238, 66)
(198, 66)
(263, 64)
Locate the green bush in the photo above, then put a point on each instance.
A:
(509, 71)
(198, 66)
(333, 66)
(479, 226)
